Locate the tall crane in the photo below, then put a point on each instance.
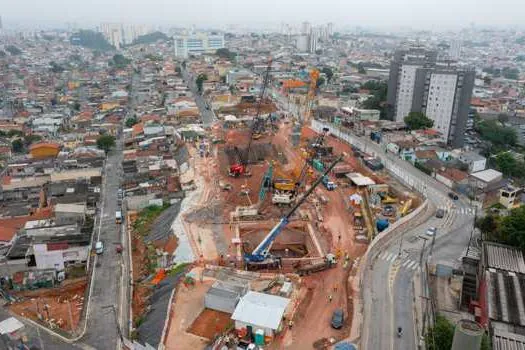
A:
(311, 153)
(314, 77)
(261, 254)
(241, 168)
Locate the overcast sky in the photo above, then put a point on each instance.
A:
(428, 14)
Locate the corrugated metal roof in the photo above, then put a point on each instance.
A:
(261, 309)
(504, 257)
(507, 341)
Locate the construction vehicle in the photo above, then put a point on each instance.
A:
(241, 168)
(285, 190)
(260, 256)
(327, 262)
(330, 185)
(406, 207)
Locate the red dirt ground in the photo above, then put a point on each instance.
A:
(63, 305)
(210, 323)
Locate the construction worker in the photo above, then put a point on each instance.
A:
(290, 324)
(330, 298)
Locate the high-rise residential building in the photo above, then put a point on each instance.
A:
(306, 28)
(113, 33)
(197, 44)
(330, 29)
(439, 89)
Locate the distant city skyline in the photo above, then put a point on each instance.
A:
(416, 14)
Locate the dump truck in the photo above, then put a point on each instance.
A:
(327, 262)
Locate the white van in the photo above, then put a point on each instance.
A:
(99, 247)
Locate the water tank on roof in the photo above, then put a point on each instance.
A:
(467, 335)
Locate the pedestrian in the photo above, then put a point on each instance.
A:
(330, 298)
(290, 324)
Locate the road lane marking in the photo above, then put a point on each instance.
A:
(406, 263)
(412, 264)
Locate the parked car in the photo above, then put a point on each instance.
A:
(338, 319)
(431, 231)
(453, 196)
(440, 213)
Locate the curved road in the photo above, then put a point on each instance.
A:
(388, 283)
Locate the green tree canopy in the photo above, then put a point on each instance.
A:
(13, 50)
(131, 121)
(441, 335)
(119, 61)
(499, 135)
(226, 53)
(328, 72)
(17, 146)
(418, 121)
(507, 164)
(150, 38)
(106, 142)
(201, 78)
(92, 40)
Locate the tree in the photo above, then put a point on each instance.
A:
(106, 143)
(418, 121)
(201, 78)
(92, 40)
(131, 121)
(178, 70)
(2, 54)
(119, 61)
(361, 69)
(487, 225)
(76, 106)
(441, 335)
(56, 68)
(329, 73)
(320, 82)
(512, 228)
(17, 146)
(500, 136)
(13, 50)
(487, 80)
(506, 163)
(29, 139)
(150, 38)
(14, 132)
(226, 53)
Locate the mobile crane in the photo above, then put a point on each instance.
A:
(260, 256)
(241, 168)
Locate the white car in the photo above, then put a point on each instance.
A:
(431, 231)
(99, 247)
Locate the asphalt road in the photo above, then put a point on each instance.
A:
(102, 321)
(207, 115)
(388, 308)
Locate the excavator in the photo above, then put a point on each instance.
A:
(260, 257)
(241, 167)
(285, 190)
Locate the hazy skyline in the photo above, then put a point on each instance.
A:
(426, 14)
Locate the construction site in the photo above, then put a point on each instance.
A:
(289, 212)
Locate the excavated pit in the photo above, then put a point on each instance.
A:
(294, 242)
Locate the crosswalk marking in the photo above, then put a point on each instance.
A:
(390, 257)
(412, 265)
